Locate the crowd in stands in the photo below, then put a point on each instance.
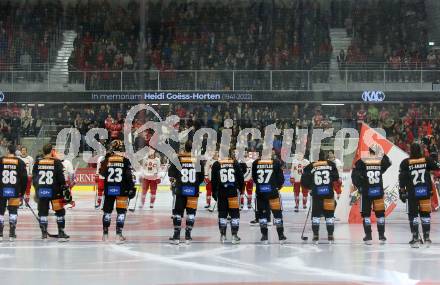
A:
(30, 36)
(388, 35)
(404, 123)
(197, 35)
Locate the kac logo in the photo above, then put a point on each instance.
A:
(2, 96)
(373, 96)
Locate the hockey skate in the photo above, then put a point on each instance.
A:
(105, 235)
(188, 237)
(315, 239)
(254, 222)
(382, 239)
(43, 233)
(264, 239)
(296, 209)
(282, 239)
(222, 238)
(368, 240)
(331, 239)
(62, 237)
(175, 239)
(427, 240)
(415, 242)
(235, 239)
(120, 238)
(12, 235)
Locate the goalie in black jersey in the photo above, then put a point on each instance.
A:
(269, 179)
(118, 187)
(186, 189)
(322, 179)
(13, 184)
(416, 188)
(367, 176)
(227, 182)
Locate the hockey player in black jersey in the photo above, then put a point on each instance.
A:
(13, 184)
(118, 187)
(367, 176)
(50, 188)
(186, 189)
(227, 182)
(416, 187)
(321, 178)
(269, 179)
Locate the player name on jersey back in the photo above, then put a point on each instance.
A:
(46, 164)
(419, 163)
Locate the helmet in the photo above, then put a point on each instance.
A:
(117, 145)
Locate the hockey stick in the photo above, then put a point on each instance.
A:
(135, 202)
(305, 238)
(38, 219)
(211, 210)
(247, 197)
(72, 178)
(95, 188)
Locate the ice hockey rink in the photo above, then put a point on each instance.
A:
(148, 258)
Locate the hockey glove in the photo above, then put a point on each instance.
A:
(131, 193)
(403, 195)
(67, 194)
(98, 202)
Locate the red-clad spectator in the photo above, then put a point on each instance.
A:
(296, 49)
(384, 114)
(317, 119)
(407, 121)
(413, 112)
(115, 130)
(108, 122)
(180, 112)
(100, 59)
(402, 145)
(44, 51)
(409, 136)
(15, 110)
(155, 58)
(87, 41)
(361, 115)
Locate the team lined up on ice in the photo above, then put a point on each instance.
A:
(226, 180)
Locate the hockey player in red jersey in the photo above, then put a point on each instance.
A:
(208, 179)
(151, 179)
(248, 182)
(29, 162)
(298, 165)
(99, 180)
